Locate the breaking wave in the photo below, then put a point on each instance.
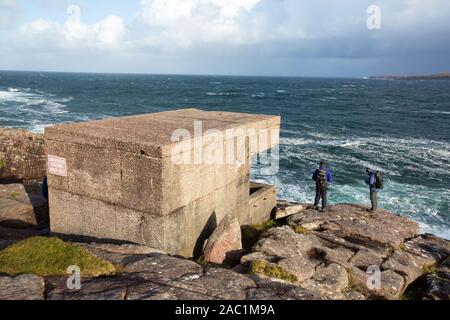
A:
(31, 109)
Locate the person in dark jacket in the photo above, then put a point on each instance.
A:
(322, 177)
(372, 182)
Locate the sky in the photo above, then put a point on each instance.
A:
(320, 38)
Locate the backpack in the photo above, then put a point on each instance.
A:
(322, 178)
(379, 183)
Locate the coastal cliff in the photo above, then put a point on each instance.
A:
(303, 255)
(437, 76)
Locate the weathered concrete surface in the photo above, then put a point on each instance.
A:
(24, 287)
(183, 232)
(330, 253)
(22, 209)
(262, 202)
(225, 244)
(122, 183)
(22, 155)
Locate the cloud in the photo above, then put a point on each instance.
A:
(73, 34)
(270, 34)
(190, 22)
(8, 4)
(331, 28)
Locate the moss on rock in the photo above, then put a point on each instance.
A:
(51, 257)
(271, 270)
(2, 163)
(251, 234)
(302, 230)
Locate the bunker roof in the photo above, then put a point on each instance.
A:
(151, 134)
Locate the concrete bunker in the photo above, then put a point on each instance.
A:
(136, 179)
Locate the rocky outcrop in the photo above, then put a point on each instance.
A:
(22, 156)
(225, 244)
(154, 276)
(319, 267)
(337, 253)
(436, 285)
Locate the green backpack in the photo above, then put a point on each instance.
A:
(379, 184)
(322, 179)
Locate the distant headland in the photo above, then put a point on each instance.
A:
(436, 76)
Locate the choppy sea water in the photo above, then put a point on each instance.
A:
(399, 127)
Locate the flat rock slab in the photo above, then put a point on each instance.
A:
(24, 287)
(286, 209)
(160, 277)
(430, 247)
(410, 266)
(120, 254)
(353, 223)
(91, 288)
(270, 289)
(19, 208)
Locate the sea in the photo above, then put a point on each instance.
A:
(401, 128)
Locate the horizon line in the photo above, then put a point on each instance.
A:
(184, 74)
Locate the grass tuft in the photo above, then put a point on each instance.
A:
(271, 270)
(429, 269)
(353, 284)
(302, 230)
(51, 257)
(251, 234)
(2, 163)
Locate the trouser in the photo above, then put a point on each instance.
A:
(374, 200)
(321, 193)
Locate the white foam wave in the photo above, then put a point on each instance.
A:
(413, 201)
(36, 102)
(223, 94)
(259, 95)
(33, 109)
(440, 112)
(39, 128)
(295, 141)
(430, 154)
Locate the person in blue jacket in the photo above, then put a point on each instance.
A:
(322, 177)
(374, 189)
